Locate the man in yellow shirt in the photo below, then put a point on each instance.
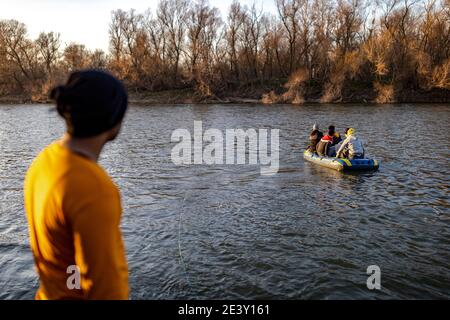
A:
(73, 207)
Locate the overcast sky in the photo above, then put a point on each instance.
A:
(86, 21)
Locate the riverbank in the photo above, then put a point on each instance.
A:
(263, 94)
(281, 95)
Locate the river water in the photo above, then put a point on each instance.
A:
(228, 232)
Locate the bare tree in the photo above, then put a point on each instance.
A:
(251, 38)
(98, 59)
(18, 48)
(235, 21)
(203, 23)
(75, 57)
(288, 11)
(173, 14)
(48, 45)
(117, 39)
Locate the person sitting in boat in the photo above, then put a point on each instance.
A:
(334, 134)
(324, 146)
(353, 144)
(335, 139)
(314, 137)
(344, 153)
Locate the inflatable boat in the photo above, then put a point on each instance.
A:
(341, 164)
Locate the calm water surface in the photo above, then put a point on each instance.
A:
(227, 232)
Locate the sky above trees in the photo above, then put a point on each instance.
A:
(87, 21)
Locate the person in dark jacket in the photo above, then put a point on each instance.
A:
(314, 137)
(334, 134)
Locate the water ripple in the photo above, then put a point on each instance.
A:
(305, 233)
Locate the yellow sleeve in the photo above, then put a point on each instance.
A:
(99, 249)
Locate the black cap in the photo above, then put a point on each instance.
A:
(91, 102)
(331, 130)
